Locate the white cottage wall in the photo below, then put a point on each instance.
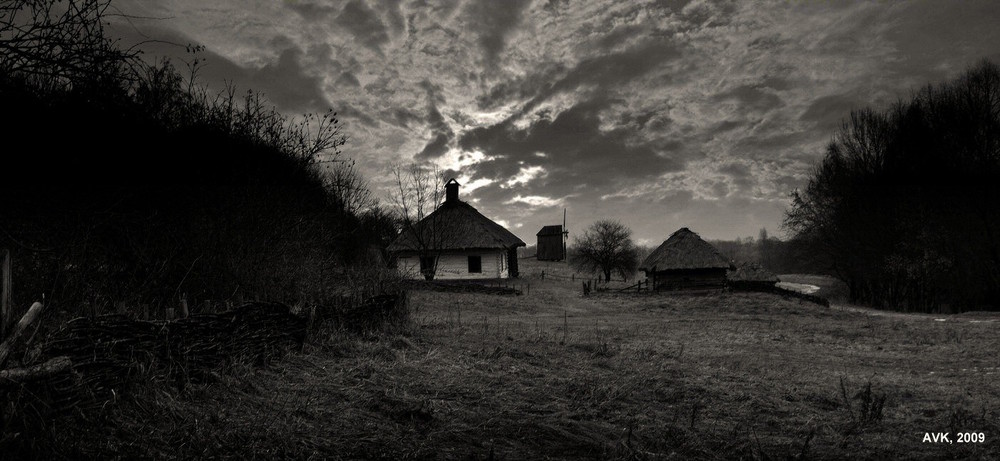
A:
(455, 265)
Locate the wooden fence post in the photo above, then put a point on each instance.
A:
(33, 312)
(185, 312)
(6, 316)
(565, 325)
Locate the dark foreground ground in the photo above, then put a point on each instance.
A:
(554, 375)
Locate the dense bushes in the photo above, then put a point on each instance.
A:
(906, 204)
(124, 182)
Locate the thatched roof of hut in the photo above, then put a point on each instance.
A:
(455, 225)
(684, 250)
(751, 272)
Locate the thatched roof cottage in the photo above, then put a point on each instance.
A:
(685, 261)
(456, 242)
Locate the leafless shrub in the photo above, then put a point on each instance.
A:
(869, 408)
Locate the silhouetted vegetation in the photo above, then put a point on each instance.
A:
(905, 208)
(606, 247)
(130, 184)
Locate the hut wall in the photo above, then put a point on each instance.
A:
(692, 279)
(550, 248)
(454, 265)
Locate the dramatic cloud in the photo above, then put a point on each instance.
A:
(441, 132)
(575, 147)
(364, 24)
(312, 11)
(494, 21)
(285, 81)
(660, 113)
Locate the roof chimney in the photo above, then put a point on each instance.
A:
(451, 191)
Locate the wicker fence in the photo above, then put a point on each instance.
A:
(89, 360)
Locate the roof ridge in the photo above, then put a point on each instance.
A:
(465, 225)
(685, 249)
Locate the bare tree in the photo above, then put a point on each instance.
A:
(350, 189)
(61, 42)
(418, 191)
(606, 247)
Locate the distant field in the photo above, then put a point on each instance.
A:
(554, 375)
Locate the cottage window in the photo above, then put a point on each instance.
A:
(475, 264)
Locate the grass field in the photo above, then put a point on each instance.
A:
(554, 375)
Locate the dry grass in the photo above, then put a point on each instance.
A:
(553, 375)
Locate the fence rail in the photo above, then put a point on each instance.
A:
(573, 277)
(593, 283)
(638, 286)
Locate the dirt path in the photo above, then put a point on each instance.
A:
(803, 288)
(979, 317)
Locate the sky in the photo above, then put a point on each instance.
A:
(659, 114)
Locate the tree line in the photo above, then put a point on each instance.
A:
(905, 206)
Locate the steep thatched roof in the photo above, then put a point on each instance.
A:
(455, 225)
(751, 272)
(684, 250)
(555, 229)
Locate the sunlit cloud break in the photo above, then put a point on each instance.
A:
(664, 114)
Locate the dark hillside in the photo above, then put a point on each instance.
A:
(123, 183)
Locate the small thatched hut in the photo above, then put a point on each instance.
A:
(685, 261)
(751, 276)
(456, 242)
(551, 243)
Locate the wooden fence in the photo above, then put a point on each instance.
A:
(81, 365)
(594, 280)
(591, 283)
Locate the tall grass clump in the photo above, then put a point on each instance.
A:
(864, 407)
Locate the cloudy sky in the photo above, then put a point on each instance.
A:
(661, 114)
